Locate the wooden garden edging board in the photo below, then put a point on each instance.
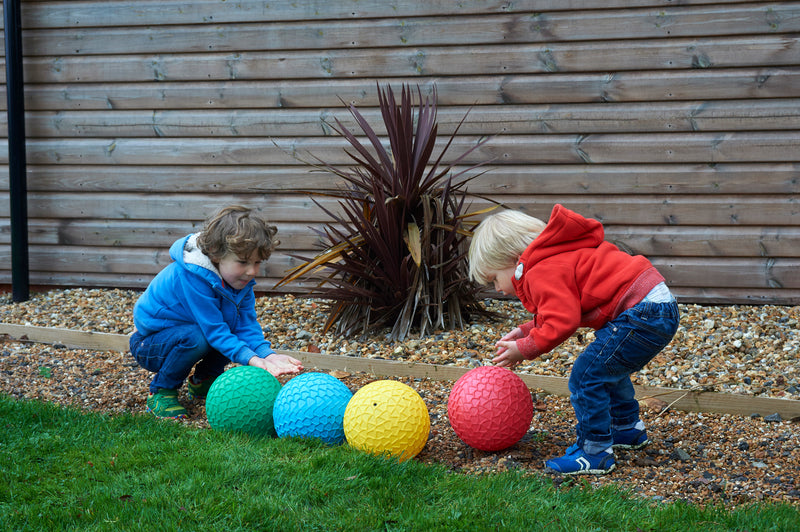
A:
(686, 400)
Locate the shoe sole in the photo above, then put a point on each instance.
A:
(582, 471)
(179, 416)
(630, 447)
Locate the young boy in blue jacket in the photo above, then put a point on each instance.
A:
(199, 311)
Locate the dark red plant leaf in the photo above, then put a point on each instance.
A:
(371, 278)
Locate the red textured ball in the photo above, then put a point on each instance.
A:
(490, 408)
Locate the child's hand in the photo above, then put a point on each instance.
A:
(515, 333)
(277, 364)
(507, 355)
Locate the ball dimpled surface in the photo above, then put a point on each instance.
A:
(387, 417)
(241, 399)
(490, 408)
(311, 405)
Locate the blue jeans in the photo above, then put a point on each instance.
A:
(601, 391)
(172, 353)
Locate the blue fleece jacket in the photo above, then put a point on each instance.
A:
(190, 290)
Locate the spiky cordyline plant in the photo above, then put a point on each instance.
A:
(396, 253)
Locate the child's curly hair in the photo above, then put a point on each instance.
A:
(238, 230)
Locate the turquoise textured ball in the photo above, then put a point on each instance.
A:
(241, 400)
(312, 405)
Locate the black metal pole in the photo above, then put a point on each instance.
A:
(17, 179)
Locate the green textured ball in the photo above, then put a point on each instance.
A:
(241, 400)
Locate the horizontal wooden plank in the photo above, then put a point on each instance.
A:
(182, 207)
(229, 179)
(665, 54)
(677, 179)
(736, 296)
(133, 281)
(603, 148)
(729, 242)
(698, 84)
(484, 28)
(538, 179)
(192, 207)
(742, 273)
(138, 233)
(140, 263)
(753, 210)
(726, 115)
(672, 241)
(734, 211)
(606, 148)
(114, 260)
(74, 339)
(678, 399)
(84, 13)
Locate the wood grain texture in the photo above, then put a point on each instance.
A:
(648, 240)
(601, 148)
(502, 180)
(502, 27)
(668, 117)
(670, 54)
(754, 82)
(736, 211)
(85, 13)
(677, 126)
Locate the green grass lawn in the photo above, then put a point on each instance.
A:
(63, 469)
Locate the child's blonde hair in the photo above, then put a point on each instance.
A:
(238, 230)
(498, 242)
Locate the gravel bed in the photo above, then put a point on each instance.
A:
(695, 457)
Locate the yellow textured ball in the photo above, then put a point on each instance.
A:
(387, 417)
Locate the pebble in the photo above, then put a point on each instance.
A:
(694, 457)
(681, 455)
(741, 349)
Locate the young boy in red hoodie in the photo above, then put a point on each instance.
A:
(568, 276)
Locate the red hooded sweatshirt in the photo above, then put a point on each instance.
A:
(570, 277)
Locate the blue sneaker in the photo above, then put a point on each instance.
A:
(631, 439)
(577, 462)
(572, 449)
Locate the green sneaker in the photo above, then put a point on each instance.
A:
(198, 390)
(164, 403)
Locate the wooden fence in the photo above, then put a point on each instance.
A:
(677, 126)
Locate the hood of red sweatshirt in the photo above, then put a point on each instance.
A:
(565, 231)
